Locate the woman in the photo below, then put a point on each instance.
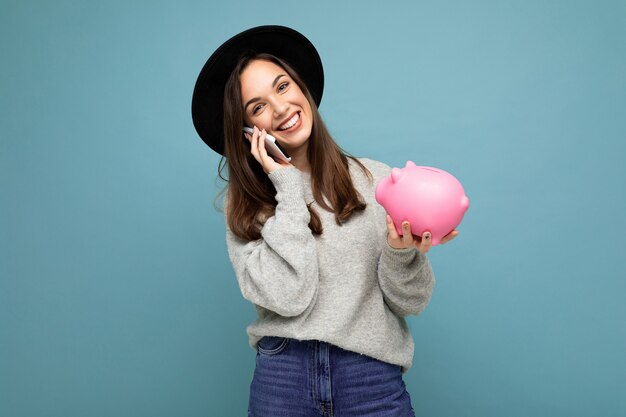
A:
(328, 274)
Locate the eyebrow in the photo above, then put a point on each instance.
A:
(259, 98)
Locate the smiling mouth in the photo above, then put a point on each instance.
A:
(290, 123)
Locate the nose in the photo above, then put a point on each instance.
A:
(280, 107)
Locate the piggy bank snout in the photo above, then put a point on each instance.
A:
(464, 203)
(381, 191)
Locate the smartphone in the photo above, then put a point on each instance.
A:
(272, 146)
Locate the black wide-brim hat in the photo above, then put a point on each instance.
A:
(207, 105)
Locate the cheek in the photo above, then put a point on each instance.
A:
(310, 114)
(264, 121)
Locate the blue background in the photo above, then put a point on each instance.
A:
(117, 297)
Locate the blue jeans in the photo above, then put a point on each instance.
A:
(309, 378)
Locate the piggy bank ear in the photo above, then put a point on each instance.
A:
(396, 174)
(410, 164)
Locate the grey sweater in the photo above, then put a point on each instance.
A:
(347, 287)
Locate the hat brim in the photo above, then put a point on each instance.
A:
(208, 95)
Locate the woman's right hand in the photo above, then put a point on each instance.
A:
(257, 142)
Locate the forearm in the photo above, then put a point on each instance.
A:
(406, 279)
(279, 271)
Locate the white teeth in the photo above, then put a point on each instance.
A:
(290, 122)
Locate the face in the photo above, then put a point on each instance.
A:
(273, 101)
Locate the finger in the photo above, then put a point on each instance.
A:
(426, 243)
(407, 237)
(257, 131)
(254, 148)
(256, 138)
(268, 163)
(449, 236)
(391, 228)
(262, 150)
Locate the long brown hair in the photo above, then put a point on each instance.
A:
(251, 193)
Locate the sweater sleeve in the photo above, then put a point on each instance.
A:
(406, 280)
(279, 271)
(405, 276)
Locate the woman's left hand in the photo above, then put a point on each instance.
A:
(408, 240)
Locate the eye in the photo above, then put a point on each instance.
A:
(257, 108)
(283, 86)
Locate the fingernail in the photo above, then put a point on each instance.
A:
(405, 224)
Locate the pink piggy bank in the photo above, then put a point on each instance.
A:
(430, 199)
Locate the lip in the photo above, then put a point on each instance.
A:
(292, 128)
